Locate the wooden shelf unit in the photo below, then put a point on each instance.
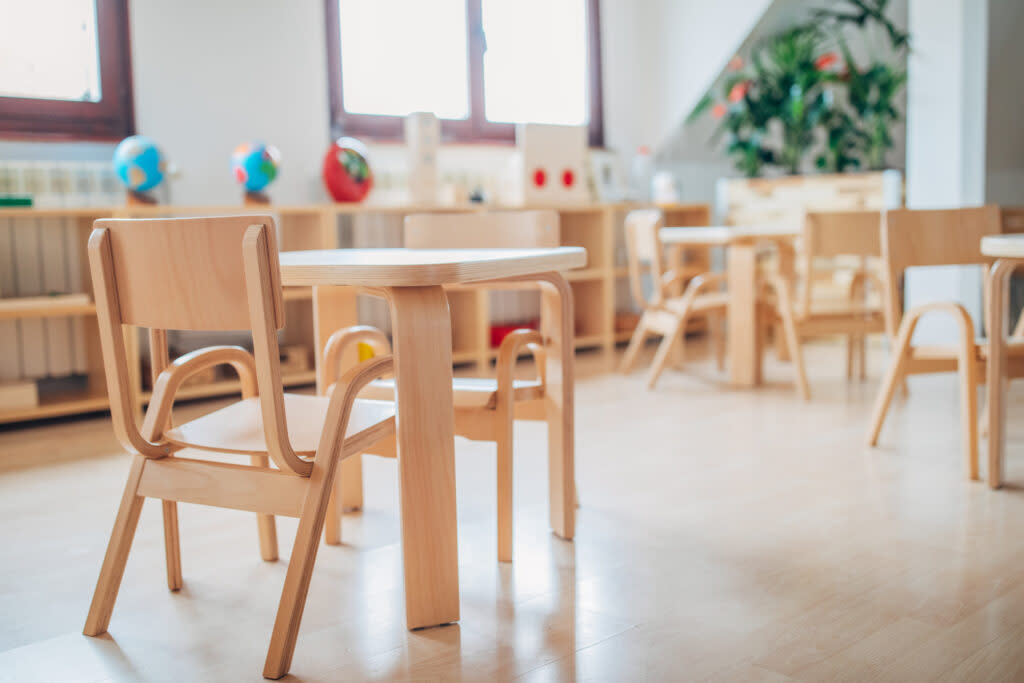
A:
(596, 227)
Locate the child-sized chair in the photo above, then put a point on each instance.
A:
(938, 238)
(219, 274)
(663, 313)
(847, 241)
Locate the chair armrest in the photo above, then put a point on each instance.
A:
(958, 312)
(169, 381)
(340, 341)
(509, 351)
(704, 281)
(343, 397)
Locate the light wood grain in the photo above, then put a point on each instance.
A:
(913, 238)
(422, 267)
(257, 425)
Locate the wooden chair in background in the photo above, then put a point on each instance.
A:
(937, 238)
(484, 408)
(847, 241)
(219, 274)
(666, 313)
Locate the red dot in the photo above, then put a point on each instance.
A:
(540, 177)
(568, 177)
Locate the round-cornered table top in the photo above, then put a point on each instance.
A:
(1003, 246)
(421, 267)
(722, 234)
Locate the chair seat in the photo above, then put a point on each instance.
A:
(469, 392)
(238, 428)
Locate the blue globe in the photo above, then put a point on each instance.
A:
(139, 163)
(255, 164)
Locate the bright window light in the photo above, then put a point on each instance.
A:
(48, 50)
(400, 56)
(535, 66)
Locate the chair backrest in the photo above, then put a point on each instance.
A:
(644, 253)
(211, 273)
(935, 237)
(483, 230)
(832, 234)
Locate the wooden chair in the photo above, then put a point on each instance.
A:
(937, 238)
(219, 274)
(484, 408)
(667, 313)
(851, 241)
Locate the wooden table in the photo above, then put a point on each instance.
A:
(744, 339)
(413, 281)
(1009, 250)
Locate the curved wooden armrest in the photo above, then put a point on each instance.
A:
(509, 351)
(341, 339)
(914, 315)
(343, 398)
(704, 281)
(174, 375)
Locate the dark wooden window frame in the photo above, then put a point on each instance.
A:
(476, 128)
(112, 118)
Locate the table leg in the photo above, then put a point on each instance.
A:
(333, 309)
(557, 323)
(744, 337)
(422, 342)
(786, 257)
(996, 379)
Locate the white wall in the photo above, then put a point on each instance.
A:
(1005, 148)
(660, 56)
(946, 103)
(211, 75)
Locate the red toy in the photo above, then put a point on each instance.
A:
(347, 175)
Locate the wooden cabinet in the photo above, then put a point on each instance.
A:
(597, 228)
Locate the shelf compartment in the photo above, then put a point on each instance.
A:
(46, 306)
(57, 404)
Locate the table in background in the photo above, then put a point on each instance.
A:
(743, 337)
(1009, 250)
(413, 281)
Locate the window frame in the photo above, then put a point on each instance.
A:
(476, 128)
(112, 118)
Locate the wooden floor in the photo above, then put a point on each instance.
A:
(722, 536)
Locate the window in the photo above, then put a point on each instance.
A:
(64, 69)
(480, 65)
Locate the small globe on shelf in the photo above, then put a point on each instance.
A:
(255, 165)
(346, 171)
(141, 166)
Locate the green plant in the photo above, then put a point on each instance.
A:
(802, 86)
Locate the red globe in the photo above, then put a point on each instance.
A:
(347, 175)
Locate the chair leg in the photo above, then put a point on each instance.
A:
(715, 321)
(893, 376)
(265, 523)
(636, 342)
(300, 569)
(850, 343)
(503, 437)
(862, 354)
(172, 545)
(668, 342)
(797, 356)
(332, 523)
(109, 582)
(968, 371)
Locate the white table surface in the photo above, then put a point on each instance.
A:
(1003, 246)
(724, 234)
(422, 267)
